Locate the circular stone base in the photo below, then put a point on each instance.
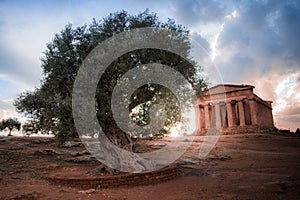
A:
(107, 181)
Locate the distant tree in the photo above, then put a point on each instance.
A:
(297, 132)
(10, 124)
(1, 126)
(50, 106)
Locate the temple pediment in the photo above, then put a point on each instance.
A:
(227, 88)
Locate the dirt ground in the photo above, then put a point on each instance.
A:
(244, 166)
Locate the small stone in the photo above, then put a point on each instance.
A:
(85, 152)
(190, 161)
(69, 144)
(219, 157)
(80, 159)
(212, 157)
(224, 157)
(90, 191)
(157, 144)
(5, 139)
(45, 152)
(61, 190)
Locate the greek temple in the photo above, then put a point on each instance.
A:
(233, 109)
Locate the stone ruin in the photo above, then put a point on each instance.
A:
(233, 109)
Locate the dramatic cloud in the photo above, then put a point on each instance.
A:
(192, 12)
(287, 109)
(266, 33)
(261, 46)
(201, 41)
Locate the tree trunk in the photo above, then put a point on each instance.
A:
(116, 148)
(9, 134)
(121, 139)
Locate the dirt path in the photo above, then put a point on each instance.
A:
(252, 166)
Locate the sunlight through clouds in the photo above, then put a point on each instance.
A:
(284, 90)
(214, 44)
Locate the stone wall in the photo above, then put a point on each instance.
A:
(136, 179)
(264, 115)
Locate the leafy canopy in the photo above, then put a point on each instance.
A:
(49, 107)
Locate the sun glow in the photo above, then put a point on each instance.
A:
(187, 127)
(174, 132)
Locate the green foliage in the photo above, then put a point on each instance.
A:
(10, 124)
(49, 108)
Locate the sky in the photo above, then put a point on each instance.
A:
(250, 42)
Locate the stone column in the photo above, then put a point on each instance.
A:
(229, 114)
(218, 118)
(253, 112)
(198, 118)
(206, 115)
(241, 113)
(234, 112)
